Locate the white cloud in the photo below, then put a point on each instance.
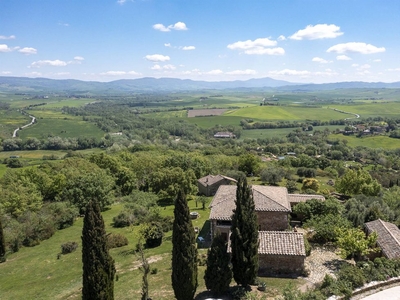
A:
(355, 47)
(80, 58)
(320, 60)
(5, 48)
(266, 51)
(364, 67)
(157, 57)
(188, 48)
(62, 73)
(28, 50)
(319, 31)
(377, 60)
(249, 44)
(257, 47)
(355, 65)
(161, 27)
(119, 73)
(281, 38)
(242, 72)
(121, 1)
(215, 72)
(3, 37)
(289, 72)
(167, 45)
(63, 24)
(169, 67)
(176, 26)
(343, 57)
(54, 63)
(156, 67)
(6, 72)
(394, 70)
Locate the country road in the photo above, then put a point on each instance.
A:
(345, 112)
(32, 122)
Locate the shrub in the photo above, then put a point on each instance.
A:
(123, 219)
(115, 240)
(352, 275)
(154, 271)
(69, 247)
(153, 234)
(307, 246)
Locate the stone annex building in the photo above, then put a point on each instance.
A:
(280, 250)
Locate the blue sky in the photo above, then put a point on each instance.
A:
(295, 40)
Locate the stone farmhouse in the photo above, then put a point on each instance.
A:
(388, 237)
(209, 184)
(280, 250)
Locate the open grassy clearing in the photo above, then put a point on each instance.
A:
(59, 103)
(62, 128)
(38, 154)
(365, 110)
(376, 142)
(208, 122)
(286, 113)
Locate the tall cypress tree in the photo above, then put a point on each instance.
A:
(244, 237)
(2, 245)
(98, 265)
(218, 274)
(184, 251)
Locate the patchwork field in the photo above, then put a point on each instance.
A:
(376, 142)
(205, 112)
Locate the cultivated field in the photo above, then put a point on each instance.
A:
(205, 112)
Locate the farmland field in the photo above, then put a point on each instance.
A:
(205, 112)
(377, 142)
(365, 110)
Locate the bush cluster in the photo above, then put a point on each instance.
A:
(68, 247)
(115, 240)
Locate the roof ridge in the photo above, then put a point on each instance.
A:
(273, 199)
(387, 229)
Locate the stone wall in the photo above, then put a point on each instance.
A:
(272, 220)
(280, 264)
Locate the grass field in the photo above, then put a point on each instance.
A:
(36, 273)
(382, 142)
(68, 127)
(286, 113)
(365, 110)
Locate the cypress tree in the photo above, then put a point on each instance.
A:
(2, 245)
(218, 274)
(98, 265)
(244, 237)
(184, 251)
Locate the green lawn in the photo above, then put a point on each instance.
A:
(383, 142)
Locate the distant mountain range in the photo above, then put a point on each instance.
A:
(149, 84)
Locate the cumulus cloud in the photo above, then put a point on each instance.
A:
(355, 47)
(169, 67)
(157, 57)
(319, 31)
(188, 48)
(121, 1)
(156, 67)
(242, 72)
(257, 47)
(377, 60)
(6, 72)
(281, 38)
(5, 48)
(289, 72)
(167, 45)
(176, 26)
(54, 63)
(215, 72)
(118, 73)
(3, 37)
(80, 58)
(249, 44)
(320, 60)
(28, 50)
(343, 57)
(394, 70)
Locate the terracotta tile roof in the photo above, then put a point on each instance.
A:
(388, 237)
(266, 198)
(211, 179)
(281, 243)
(297, 198)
